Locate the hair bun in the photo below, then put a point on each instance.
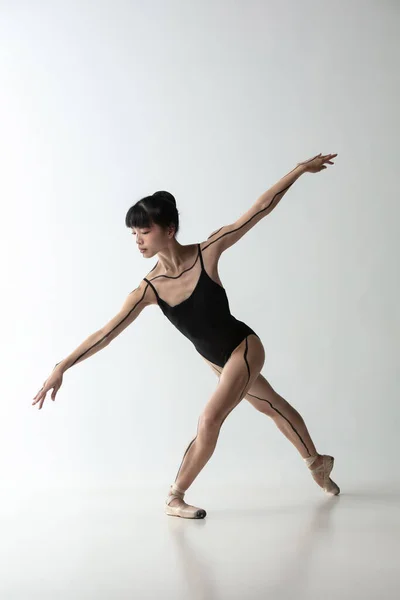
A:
(165, 196)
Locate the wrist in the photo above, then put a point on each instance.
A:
(301, 168)
(60, 367)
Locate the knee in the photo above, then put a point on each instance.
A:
(267, 410)
(263, 406)
(210, 422)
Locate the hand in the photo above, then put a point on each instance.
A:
(53, 382)
(316, 164)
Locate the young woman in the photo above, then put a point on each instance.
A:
(186, 286)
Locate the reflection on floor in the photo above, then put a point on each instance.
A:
(254, 543)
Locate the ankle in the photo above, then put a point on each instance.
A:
(176, 490)
(313, 461)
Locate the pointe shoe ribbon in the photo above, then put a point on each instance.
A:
(323, 472)
(187, 512)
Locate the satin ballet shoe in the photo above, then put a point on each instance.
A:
(187, 512)
(321, 473)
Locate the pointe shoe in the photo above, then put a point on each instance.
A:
(187, 511)
(321, 473)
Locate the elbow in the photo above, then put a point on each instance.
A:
(104, 337)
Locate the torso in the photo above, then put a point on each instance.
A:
(195, 301)
(175, 289)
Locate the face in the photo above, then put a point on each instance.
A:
(151, 240)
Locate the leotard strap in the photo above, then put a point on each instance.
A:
(151, 285)
(201, 257)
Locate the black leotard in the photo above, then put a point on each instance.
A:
(205, 318)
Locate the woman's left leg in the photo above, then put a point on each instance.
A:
(265, 399)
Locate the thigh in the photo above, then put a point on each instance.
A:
(235, 379)
(260, 394)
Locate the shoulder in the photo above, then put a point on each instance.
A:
(139, 295)
(211, 247)
(146, 287)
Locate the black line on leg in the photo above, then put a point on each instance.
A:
(240, 398)
(283, 416)
(187, 450)
(248, 379)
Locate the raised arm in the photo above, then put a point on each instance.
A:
(228, 235)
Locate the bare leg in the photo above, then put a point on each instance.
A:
(266, 400)
(237, 376)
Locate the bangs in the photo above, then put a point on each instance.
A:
(138, 217)
(153, 211)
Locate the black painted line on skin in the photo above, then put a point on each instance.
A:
(107, 334)
(248, 221)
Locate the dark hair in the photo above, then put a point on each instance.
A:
(160, 208)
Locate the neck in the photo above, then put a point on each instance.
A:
(174, 257)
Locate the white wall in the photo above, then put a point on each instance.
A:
(105, 102)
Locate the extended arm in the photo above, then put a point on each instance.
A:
(132, 307)
(228, 235)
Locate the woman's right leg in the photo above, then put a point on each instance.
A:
(238, 375)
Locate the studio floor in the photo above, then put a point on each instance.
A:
(118, 544)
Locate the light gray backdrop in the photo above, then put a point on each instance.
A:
(103, 103)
